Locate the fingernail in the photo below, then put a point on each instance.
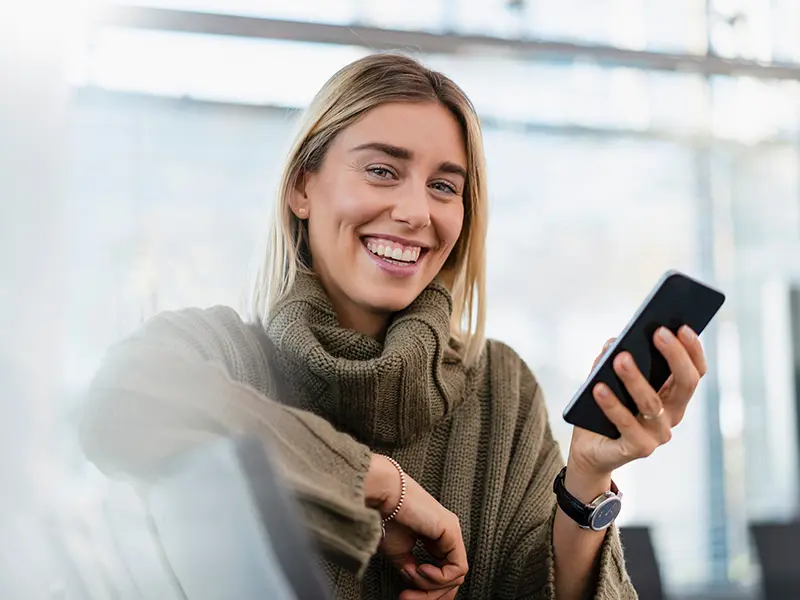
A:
(408, 573)
(624, 362)
(689, 333)
(665, 335)
(601, 390)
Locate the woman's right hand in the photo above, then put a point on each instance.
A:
(420, 518)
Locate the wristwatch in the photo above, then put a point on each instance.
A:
(598, 514)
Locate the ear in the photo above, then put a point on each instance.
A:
(298, 201)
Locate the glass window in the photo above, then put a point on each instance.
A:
(208, 67)
(785, 25)
(279, 73)
(678, 102)
(636, 24)
(321, 11)
(584, 20)
(741, 29)
(764, 185)
(420, 15)
(750, 110)
(503, 18)
(676, 26)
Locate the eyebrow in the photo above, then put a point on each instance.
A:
(406, 154)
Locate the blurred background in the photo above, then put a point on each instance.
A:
(140, 148)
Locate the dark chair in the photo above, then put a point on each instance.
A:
(641, 562)
(777, 548)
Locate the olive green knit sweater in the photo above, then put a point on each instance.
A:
(323, 398)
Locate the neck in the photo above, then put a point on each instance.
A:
(371, 324)
(385, 391)
(357, 318)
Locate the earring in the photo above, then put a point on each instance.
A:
(302, 211)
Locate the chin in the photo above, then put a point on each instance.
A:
(380, 292)
(383, 303)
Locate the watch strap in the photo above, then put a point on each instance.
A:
(576, 510)
(572, 507)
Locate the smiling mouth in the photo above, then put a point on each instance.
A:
(393, 252)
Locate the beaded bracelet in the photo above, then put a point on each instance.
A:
(402, 494)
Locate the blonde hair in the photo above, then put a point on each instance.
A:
(360, 86)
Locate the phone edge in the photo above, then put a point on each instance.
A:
(642, 306)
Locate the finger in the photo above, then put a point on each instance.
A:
(430, 577)
(450, 595)
(635, 441)
(408, 571)
(449, 550)
(412, 575)
(424, 580)
(449, 547)
(685, 376)
(442, 538)
(695, 349)
(646, 398)
(398, 552)
(658, 424)
(441, 576)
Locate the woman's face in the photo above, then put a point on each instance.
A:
(385, 209)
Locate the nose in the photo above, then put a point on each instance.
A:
(412, 207)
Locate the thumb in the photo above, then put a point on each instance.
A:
(397, 547)
(606, 346)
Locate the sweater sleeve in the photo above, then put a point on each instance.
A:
(530, 561)
(189, 376)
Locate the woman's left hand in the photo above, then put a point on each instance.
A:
(595, 455)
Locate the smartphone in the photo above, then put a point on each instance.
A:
(676, 300)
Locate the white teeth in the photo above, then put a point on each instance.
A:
(386, 250)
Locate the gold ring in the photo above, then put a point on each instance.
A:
(647, 417)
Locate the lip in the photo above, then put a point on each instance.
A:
(394, 269)
(399, 240)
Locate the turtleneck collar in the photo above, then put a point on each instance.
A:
(384, 394)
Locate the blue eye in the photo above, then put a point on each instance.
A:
(443, 186)
(381, 172)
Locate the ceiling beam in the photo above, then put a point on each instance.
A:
(379, 39)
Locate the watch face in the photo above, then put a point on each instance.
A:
(605, 513)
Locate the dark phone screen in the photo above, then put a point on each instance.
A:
(679, 300)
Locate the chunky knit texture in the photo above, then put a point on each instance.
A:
(323, 398)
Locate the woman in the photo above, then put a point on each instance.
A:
(366, 370)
